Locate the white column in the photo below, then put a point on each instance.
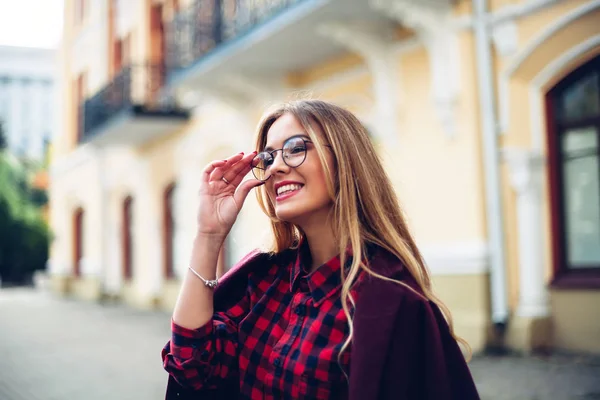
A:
(374, 45)
(113, 273)
(432, 20)
(104, 215)
(526, 172)
(186, 205)
(147, 222)
(59, 263)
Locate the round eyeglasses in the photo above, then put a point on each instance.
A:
(293, 153)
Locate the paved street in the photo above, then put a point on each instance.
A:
(53, 349)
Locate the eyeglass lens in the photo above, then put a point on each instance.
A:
(293, 152)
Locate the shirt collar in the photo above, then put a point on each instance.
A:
(322, 282)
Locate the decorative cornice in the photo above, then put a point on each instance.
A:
(368, 40)
(523, 9)
(525, 167)
(433, 22)
(374, 43)
(242, 91)
(424, 15)
(506, 38)
(559, 24)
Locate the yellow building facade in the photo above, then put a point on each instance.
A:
(486, 115)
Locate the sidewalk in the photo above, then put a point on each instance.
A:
(52, 349)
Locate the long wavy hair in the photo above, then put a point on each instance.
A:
(363, 213)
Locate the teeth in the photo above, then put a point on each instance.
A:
(288, 188)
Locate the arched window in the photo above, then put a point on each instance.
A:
(127, 235)
(77, 241)
(573, 108)
(168, 231)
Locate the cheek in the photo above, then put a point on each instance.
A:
(319, 182)
(270, 192)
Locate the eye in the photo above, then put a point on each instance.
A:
(293, 147)
(263, 160)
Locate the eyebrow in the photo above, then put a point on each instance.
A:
(302, 135)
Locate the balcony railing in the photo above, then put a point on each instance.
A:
(136, 89)
(206, 24)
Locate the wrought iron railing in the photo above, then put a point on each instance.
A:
(138, 87)
(206, 24)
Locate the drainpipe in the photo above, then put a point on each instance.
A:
(487, 104)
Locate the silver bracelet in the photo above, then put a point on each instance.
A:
(211, 284)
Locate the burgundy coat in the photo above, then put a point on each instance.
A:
(402, 347)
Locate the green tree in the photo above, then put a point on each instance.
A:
(3, 142)
(24, 236)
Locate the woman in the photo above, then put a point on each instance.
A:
(342, 306)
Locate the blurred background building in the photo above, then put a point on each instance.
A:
(485, 113)
(27, 99)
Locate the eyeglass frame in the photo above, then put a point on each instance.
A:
(304, 138)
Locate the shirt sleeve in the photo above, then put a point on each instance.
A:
(426, 361)
(204, 357)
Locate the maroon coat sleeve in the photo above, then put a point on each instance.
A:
(424, 360)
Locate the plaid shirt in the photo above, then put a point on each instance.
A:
(282, 338)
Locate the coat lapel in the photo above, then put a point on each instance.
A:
(374, 320)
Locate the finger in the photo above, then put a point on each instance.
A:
(241, 169)
(210, 168)
(242, 191)
(220, 171)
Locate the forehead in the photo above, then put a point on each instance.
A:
(283, 128)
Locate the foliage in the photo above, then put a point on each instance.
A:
(3, 142)
(24, 235)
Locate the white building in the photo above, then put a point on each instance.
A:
(26, 98)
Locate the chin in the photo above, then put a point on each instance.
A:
(289, 215)
(297, 215)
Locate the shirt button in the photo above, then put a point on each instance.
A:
(277, 362)
(301, 310)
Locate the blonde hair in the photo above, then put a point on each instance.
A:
(362, 212)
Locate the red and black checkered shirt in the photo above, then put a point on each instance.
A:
(282, 339)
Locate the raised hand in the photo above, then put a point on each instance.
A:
(222, 194)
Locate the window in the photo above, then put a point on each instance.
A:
(574, 147)
(127, 237)
(122, 53)
(78, 219)
(126, 47)
(79, 89)
(168, 231)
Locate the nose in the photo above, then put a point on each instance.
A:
(278, 166)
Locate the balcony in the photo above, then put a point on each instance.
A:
(213, 42)
(133, 109)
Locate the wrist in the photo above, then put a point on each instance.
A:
(209, 239)
(205, 254)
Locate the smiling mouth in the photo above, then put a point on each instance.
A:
(287, 191)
